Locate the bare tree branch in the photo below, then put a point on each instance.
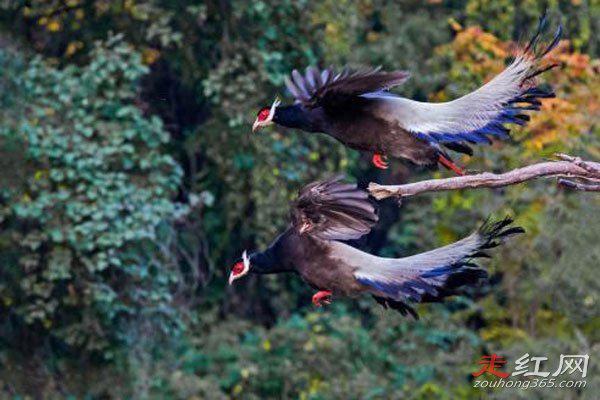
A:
(574, 172)
(585, 187)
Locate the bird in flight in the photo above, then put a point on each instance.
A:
(356, 108)
(329, 212)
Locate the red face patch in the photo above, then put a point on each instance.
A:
(237, 268)
(263, 114)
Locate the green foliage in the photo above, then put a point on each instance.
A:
(78, 231)
(579, 17)
(312, 355)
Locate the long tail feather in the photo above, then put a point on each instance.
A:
(482, 114)
(436, 274)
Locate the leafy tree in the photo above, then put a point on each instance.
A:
(78, 231)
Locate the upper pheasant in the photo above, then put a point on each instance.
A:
(329, 212)
(356, 108)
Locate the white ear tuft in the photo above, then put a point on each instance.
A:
(276, 103)
(246, 260)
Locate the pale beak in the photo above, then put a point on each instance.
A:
(256, 126)
(231, 278)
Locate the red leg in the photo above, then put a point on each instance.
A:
(380, 161)
(450, 165)
(322, 297)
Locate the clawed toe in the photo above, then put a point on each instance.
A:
(380, 161)
(322, 297)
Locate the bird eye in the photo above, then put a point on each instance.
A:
(263, 114)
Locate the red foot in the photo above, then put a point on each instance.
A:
(380, 161)
(450, 165)
(322, 297)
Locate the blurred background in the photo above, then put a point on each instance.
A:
(130, 183)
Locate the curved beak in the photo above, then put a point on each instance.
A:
(256, 126)
(231, 278)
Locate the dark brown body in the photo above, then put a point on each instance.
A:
(378, 136)
(312, 259)
(358, 127)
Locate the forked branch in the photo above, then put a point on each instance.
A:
(573, 173)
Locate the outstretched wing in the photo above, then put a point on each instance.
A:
(327, 88)
(480, 114)
(333, 210)
(432, 275)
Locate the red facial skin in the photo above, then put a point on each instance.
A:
(263, 114)
(237, 268)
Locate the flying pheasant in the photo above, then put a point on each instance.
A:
(329, 212)
(356, 108)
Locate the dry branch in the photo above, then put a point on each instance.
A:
(573, 172)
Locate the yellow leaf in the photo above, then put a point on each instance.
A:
(53, 26)
(372, 36)
(266, 345)
(456, 27)
(314, 386)
(237, 389)
(245, 372)
(503, 334)
(149, 56)
(72, 48)
(309, 346)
